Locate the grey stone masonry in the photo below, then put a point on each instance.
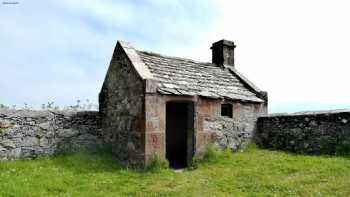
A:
(28, 134)
(122, 107)
(234, 133)
(307, 132)
(227, 133)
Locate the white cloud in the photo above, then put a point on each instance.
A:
(60, 50)
(297, 50)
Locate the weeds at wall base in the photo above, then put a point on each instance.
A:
(214, 155)
(156, 164)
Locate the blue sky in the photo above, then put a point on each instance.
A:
(60, 50)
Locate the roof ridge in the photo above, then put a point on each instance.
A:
(173, 57)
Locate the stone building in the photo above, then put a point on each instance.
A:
(152, 104)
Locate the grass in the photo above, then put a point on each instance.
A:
(255, 172)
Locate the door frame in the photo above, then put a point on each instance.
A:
(190, 128)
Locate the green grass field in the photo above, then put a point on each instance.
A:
(255, 172)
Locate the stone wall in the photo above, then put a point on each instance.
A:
(122, 110)
(234, 133)
(28, 134)
(309, 132)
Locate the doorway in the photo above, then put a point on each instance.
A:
(179, 134)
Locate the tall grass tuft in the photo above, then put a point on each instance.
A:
(157, 164)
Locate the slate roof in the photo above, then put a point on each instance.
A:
(181, 76)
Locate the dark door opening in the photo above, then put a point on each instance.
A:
(179, 134)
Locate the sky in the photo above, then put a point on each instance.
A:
(59, 51)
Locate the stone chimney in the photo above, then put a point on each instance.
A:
(223, 53)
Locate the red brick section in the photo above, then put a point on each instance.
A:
(155, 110)
(155, 126)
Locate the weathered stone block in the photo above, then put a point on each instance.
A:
(14, 153)
(66, 133)
(7, 144)
(30, 141)
(44, 126)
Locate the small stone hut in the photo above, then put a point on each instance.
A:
(153, 104)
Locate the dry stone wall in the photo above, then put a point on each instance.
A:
(325, 132)
(28, 134)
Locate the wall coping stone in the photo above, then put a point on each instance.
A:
(307, 113)
(35, 113)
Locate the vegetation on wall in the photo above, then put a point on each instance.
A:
(79, 106)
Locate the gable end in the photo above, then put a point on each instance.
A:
(136, 61)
